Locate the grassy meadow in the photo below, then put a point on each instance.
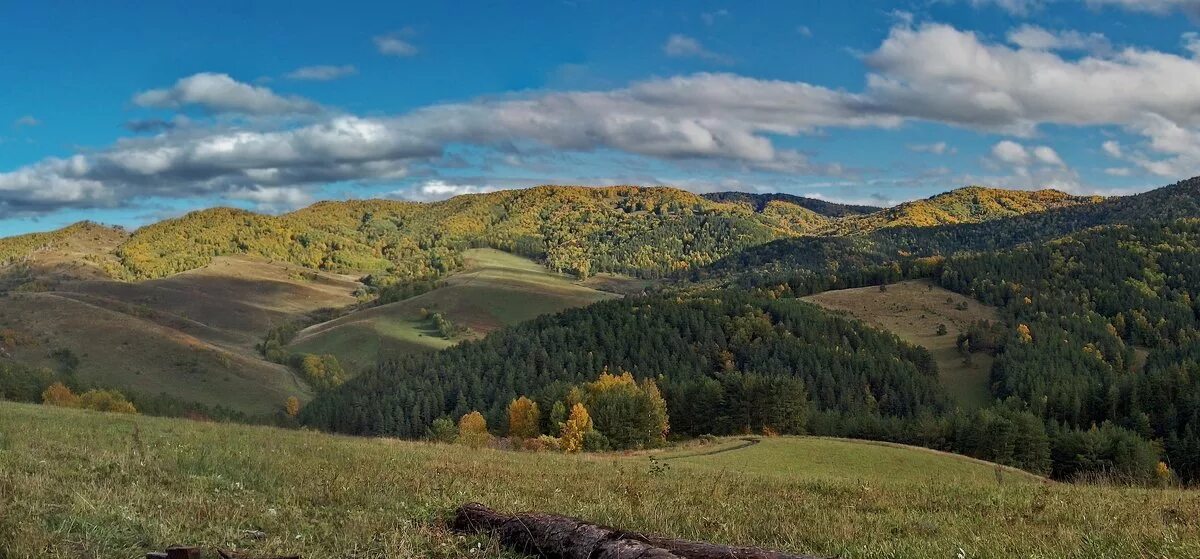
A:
(85, 484)
(913, 310)
(494, 289)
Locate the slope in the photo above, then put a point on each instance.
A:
(493, 289)
(914, 310)
(97, 485)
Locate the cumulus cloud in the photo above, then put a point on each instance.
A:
(219, 93)
(1112, 148)
(438, 189)
(722, 121)
(395, 44)
(682, 46)
(322, 73)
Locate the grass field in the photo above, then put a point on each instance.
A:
(820, 458)
(912, 310)
(83, 484)
(493, 290)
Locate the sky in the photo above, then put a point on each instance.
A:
(127, 114)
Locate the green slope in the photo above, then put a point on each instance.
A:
(493, 290)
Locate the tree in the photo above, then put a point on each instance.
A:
(523, 418)
(292, 406)
(629, 414)
(443, 430)
(472, 430)
(58, 394)
(941, 329)
(576, 428)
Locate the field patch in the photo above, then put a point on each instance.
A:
(821, 458)
(494, 289)
(913, 310)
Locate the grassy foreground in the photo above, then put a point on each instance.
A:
(85, 484)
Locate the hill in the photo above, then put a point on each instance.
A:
(972, 204)
(821, 207)
(492, 290)
(914, 310)
(101, 485)
(190, 336)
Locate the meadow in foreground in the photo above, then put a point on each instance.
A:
(85, 484)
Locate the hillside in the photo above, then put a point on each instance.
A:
(972, 204)
(492, 290)
(84, 483)
(821, 207)
(914, 310)
(190, 336)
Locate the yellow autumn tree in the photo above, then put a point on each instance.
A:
(523, 418)
(472, 430)
(292, 406)
(576, 427)
(58, 394)
(1024, 334)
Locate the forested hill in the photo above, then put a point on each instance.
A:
(822, 207)
(714, 356)
(886, 254)
(647, 232)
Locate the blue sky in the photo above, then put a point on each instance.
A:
(131, 114)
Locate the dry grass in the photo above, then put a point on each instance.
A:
(84, 484)
(913, 310)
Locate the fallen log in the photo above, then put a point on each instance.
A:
(561, 537)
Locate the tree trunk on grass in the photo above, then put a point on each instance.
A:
(561, 537)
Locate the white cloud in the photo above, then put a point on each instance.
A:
(804, 30)
(272, 199)
(1112, 148)
(1119, 171)
(1046, 155)
(710, 18)
(395, 44)
(322, 73)
(936, 148)
(682, 46)
(1014, 7)
(27, 120)
(1010, 152)
(1022, 158)
(220, 93)
(437, 189)
(1037, 38)
(1150, 6)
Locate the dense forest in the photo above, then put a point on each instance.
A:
(1107, 328)
(701, 350)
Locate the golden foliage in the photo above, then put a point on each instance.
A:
(576, 427)
(292, 406)
(472, 430)
(523, 418)
(1024, 334)
(58, 394)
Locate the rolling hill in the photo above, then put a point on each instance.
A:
(492, 290)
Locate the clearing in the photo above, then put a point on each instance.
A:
(76, 483)
(913, 310)
(493, 290)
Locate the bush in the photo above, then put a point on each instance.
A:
(443, 430)
(595, 441)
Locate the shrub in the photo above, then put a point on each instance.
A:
(443, 430)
